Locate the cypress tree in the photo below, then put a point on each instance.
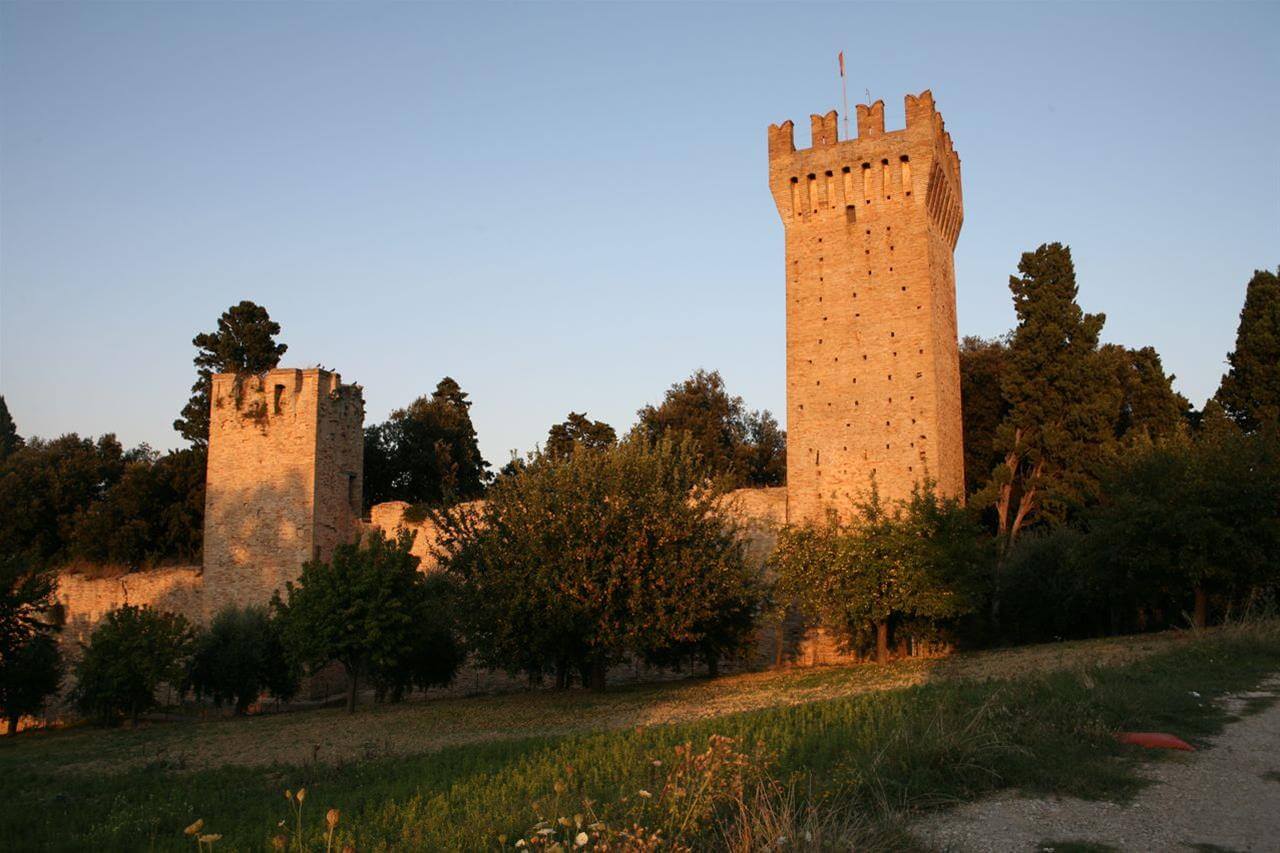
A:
(1250, 390)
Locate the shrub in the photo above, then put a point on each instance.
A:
(370, 609)
(240, 656)
(130, 654)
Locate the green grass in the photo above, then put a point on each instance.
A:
(879, 753)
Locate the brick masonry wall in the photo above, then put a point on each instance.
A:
(873, 383)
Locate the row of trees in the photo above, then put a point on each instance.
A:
(74, 499)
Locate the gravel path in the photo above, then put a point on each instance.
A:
(1222, 798)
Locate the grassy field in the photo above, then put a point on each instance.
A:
(867, 743)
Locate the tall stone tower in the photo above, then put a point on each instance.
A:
(286, 461)
(873, 374)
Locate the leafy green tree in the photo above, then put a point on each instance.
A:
(1250, 390)
(30, 665)
(747, 448)
(1062, 398)
(244, 342)
(922, 558)
(578, 563)
(154, 513)
(239, 657)
(983, 406)
(426, 453)
(46, 485)
(9, 438)
(130, 654)
(578, 431)
(371, 610)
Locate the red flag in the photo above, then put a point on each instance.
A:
(842, 63)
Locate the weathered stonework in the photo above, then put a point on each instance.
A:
(873, 376)
(86, 599)
(286, 460)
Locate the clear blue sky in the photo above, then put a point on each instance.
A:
(565, 206)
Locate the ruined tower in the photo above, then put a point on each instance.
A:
(873, 375)
(286, 460)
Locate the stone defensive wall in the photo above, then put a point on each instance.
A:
(86, 594)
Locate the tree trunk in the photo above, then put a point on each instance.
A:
(562, 675)
(713, 665)
(1201, 616)
(882, 642)
(353, 683)
(598, 673)
(11, 726)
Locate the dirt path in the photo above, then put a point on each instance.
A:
(1223, 798)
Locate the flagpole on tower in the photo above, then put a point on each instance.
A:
(844, 90)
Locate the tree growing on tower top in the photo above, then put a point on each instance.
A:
(244, 342)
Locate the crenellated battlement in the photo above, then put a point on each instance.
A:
(863, 177)
(922, 120)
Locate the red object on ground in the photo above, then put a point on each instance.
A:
(1155, 740)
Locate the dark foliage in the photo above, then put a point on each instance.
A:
(426, 453)
(155, 513)
(371, 610)
(130, 654)
(983, 406)
(9, 438)
(30, 665)
(46, 486)
(1250, 391)
(239, 657)
(578, 431)
(746, 448)
(244, 342)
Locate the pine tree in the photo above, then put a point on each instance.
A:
(244, 342)
(1250, 390)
